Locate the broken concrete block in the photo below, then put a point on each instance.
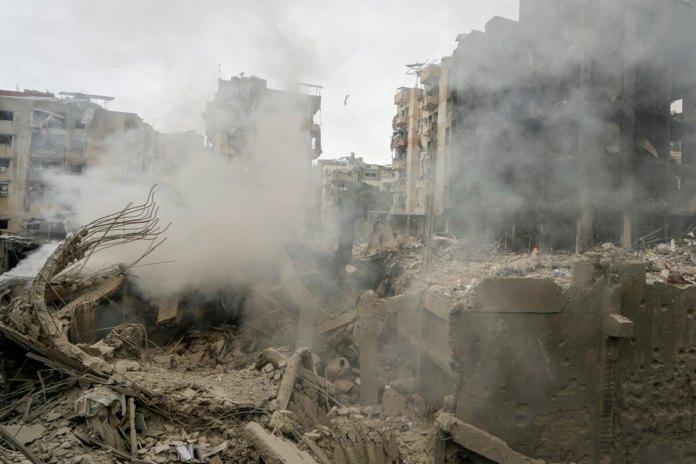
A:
(274, 450)
(25, 434)
(584, 273)
(282, 421)
(619, 326)
(343, 385)
(337, 368)
(165, 360)
(518, 295)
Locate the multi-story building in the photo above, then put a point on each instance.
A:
(41, 133)
(342, 178)
(246, 116)
(421, 148)
(564, 127)
(408, 205)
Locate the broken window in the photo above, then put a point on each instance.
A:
(4, 188)
(6, 115)
(79, 125)
(45, 144)
(5, 139)
(49, 119)
(4, 224)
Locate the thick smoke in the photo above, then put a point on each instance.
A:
(544, 114)
(228, 216)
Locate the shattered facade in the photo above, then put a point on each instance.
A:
(570, 126)
(40, 134)
(244, 110)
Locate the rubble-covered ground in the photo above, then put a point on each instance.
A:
(195, 380)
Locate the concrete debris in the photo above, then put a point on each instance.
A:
(386, 349)
(274, 450)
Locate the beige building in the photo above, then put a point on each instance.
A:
(41, 133)
(339, 176)
(421, 148)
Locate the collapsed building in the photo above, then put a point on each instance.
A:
(577, 118)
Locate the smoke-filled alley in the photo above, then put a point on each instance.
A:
(309, 233)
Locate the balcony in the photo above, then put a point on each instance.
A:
(400, 121)
(399, 142)
(430, 102)
(403, 95)
(430, 75)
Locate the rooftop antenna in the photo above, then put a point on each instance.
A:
(414, 69)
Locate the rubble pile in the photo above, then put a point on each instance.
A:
(156, 387)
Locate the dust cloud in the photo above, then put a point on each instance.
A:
(228, 216)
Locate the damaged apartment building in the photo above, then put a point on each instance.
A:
(572, 126)
(245, 113)
(42, 133)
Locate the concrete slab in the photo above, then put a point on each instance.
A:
(517, 295)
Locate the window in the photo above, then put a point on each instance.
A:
(77, 168)
(6, 115)
(5, 139)
(4, 224)
(77, 145)
(4, 188)
(4, 164)
(49, 119)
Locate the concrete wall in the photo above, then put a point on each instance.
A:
(529, 374)
(564, 381)
(656, 374)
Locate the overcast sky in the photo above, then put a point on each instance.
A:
(160, 58)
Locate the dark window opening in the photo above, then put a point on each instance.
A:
(77, 168)
(4, 224)
(6, 116)
(130, 123)
(5, 139)
(4, 164)
(4, 189)
(79, 125)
